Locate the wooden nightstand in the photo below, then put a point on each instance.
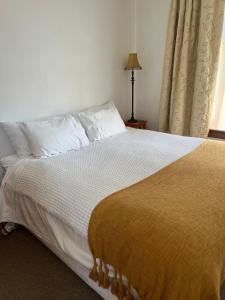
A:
(140, 124)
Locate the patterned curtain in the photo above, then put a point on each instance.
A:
(191, 63)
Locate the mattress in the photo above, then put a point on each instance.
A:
(54, 197)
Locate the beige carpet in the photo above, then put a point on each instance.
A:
(29, 271)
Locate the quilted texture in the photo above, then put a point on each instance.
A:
(69, 186)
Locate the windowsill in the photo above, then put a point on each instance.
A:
(217, 134)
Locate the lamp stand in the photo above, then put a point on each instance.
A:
(132, 120)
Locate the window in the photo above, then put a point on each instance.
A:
(218, 113)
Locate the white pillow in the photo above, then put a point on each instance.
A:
(102, 121)
(55, 136)
(16, 138)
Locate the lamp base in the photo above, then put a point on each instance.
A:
(132, 120)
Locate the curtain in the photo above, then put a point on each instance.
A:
(190, 68)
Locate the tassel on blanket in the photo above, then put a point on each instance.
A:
(129, 295)
(100, 274)
(94, 272)
(103, 279)
(122, 289)
(115, 284)
(106, 282)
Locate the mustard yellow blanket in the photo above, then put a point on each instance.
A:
(165, 234)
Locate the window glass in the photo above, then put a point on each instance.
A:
(218, 114)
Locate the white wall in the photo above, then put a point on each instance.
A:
(151, 31)
(57, 56)
(61, 55)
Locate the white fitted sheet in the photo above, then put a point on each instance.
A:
(55, 197)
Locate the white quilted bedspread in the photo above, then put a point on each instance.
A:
(69, 186)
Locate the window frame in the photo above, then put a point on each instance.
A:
(217, 134)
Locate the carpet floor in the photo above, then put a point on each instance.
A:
(29, 271)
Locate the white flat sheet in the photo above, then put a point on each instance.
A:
(55, 197)
(61, 239)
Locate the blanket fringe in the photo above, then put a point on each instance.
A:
(115, 284)
(100, 274)
(129, 295)
(94, 272)
(122, 289)
(106, 282)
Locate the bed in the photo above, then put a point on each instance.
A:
(54, 197)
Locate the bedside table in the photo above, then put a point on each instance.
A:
(140, 124)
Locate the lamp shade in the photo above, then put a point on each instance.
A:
(133, 63)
